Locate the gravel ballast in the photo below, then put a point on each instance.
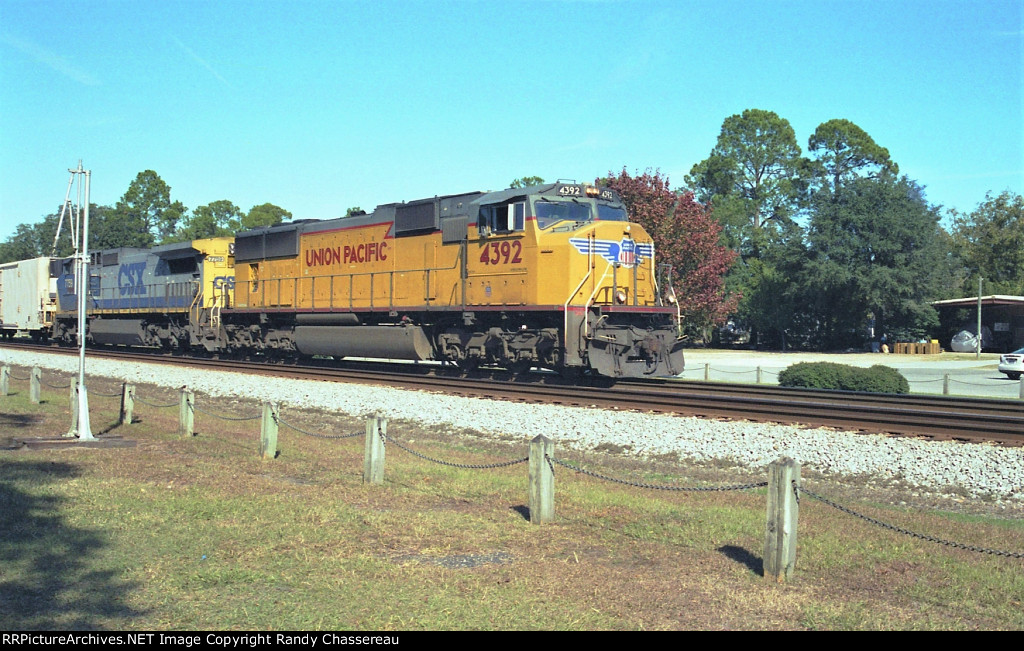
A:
(987, 471)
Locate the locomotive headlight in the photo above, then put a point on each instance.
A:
(592, 191)
(671, 298)
(620, 297)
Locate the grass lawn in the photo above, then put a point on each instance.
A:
(200, 533)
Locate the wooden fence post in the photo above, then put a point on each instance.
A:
(373, 450)
(780, 532)
(127, 403)
(268, 431)
(707, 372)
(1022, 387)
(5, 381)
(33, 387)
(758, 375)
(945, 384)
(542, 480)
(186, 413)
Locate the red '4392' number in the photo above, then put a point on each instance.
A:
(502, 252)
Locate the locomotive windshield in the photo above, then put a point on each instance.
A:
(611, 213)
(574, 212)
(550, 213)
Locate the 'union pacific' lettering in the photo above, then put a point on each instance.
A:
(348, 254)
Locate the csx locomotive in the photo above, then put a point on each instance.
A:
(551, 276)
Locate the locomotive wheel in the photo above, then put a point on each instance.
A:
(518, 368)
(468, 364)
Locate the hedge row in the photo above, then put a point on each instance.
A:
(827, 375)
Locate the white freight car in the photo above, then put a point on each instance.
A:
(28, 297)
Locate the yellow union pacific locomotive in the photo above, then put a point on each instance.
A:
(551, 276)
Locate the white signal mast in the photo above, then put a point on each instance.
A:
(81, 427)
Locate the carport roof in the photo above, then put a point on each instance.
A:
(971, 301)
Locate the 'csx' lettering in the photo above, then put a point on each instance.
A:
(224, 282)
(348, 254)
(129, 278)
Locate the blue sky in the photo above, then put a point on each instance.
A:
(321, 105)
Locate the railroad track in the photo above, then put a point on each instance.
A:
(934, 417)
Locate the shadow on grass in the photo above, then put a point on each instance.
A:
(19, 420)
(740, 555)
(522, 510)
(50, 578)
(109, 428)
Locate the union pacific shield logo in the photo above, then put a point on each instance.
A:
(625, 252)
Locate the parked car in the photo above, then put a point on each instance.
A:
(1012, 363)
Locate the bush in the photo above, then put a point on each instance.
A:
(827, 375)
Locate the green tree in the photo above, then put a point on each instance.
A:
(145, 214)
(265, 214)
(875, 247)
(843, 150)
(37, 240)
(526, 181)
(990, 241)
(116, 229)
(773, 306)
(755, 177)
(23, 245)
(46, 232)
(217, 219)
(354, 211)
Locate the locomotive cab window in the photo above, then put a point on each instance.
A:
(609, 213)
(502, 218)
(550, 212)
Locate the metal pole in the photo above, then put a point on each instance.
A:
(977, 354)
(84, 429)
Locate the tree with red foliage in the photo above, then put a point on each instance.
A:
(686, 237)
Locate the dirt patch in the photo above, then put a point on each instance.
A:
(457, 561)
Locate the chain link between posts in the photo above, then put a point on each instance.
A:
(973, 384)
(93, 392)
(157, 406)
(471, 466)
(907, 532)
(663, 487)
(234, 418)
(776, 373)
(314, 434)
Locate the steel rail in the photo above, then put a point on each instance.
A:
(935, 417)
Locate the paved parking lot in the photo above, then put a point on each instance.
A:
(925, 373)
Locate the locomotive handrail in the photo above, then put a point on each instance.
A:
(565, 307)
(352, 276)
(134, 301)
(597, 286)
